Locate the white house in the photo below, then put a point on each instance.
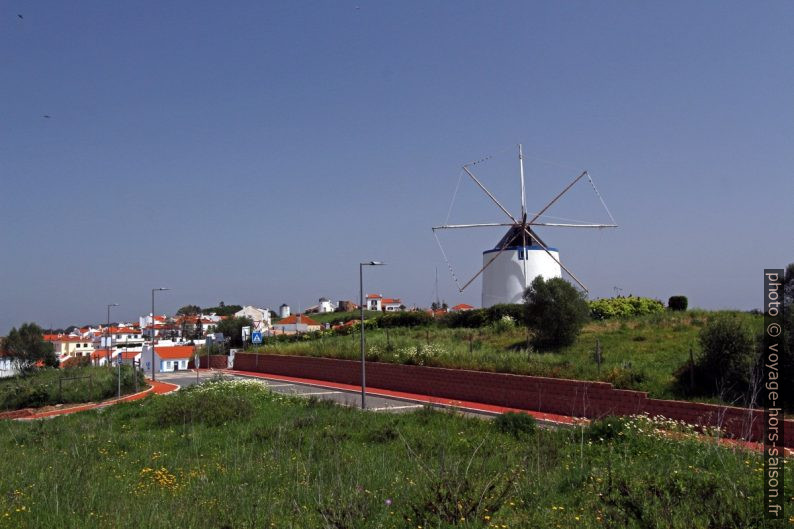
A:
(260, 317)
(167, 358)
(296, 323)
(119, 337)
(7, 365)
(67, 346)
(379, 303)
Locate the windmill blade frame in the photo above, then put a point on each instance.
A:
(545, 249)
(490, 195)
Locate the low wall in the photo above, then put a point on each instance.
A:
(215, 362)
(578, 398)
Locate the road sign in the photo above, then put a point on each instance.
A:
(256, 337)
(246, 333)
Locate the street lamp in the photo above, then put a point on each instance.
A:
(152, 323)
(361, 306)
(107, 334)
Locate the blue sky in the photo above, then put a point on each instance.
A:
(254, 153)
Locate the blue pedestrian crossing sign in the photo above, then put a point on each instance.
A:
(256, 337)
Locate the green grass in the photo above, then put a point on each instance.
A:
(641, 353)
(235, 456)
(41, 388)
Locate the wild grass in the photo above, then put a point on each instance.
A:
(309, 464)
(641, 353)
(79, 384)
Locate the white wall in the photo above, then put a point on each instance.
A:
(504, 281)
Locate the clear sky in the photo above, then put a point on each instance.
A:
(254, 152)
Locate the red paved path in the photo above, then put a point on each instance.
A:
(548, 418)
(159, 388)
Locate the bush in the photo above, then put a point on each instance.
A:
(76, 361)
(471, 319)
(404, 319)
(516, 424)
(556, 312)
(606, 429)
(212, 403)
(602, 309)
(725, 364)
(495, 313)
(677, 303)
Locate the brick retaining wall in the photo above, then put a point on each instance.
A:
(578, 398)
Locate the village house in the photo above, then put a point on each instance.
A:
(67, 346)
(295, 323)
(167, 358)
(260, 317)
(379, 303)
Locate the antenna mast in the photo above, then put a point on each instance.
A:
(521, 165)
(438, 303)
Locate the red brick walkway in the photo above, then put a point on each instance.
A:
(157, 387)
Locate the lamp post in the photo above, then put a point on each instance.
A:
(361, 306)
(152, 324)
(107, 334)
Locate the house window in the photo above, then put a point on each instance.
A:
(521, 254)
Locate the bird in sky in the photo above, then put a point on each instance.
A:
(46, 116)
(20, 16)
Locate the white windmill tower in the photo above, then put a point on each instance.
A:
(521, 255)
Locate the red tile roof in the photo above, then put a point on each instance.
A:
(291, 320)
(390, 301)
(64, 338)
(175, 351)
(374, 296)
(462, 306)
(99, 353)
(130, 355)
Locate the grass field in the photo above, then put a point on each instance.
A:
(231, 456)
(79, 384)
(640, 353)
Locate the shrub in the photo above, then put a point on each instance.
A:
(677, 303)
(495, 313)
(602, 309)
(212, 403)
(516, 424)
(76, 361)
(727, 358)
(606, 429)
(404, 319)
(465, 318)
(556, 312)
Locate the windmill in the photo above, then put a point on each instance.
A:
(521, 255)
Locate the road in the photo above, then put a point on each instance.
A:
(346, 398)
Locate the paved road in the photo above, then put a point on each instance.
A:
(347, 398)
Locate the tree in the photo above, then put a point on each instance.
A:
(727, 359)
(189, 310)
(232, 328)
(27, 347)
(223, 310)
(555, 312)
(678, 303)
